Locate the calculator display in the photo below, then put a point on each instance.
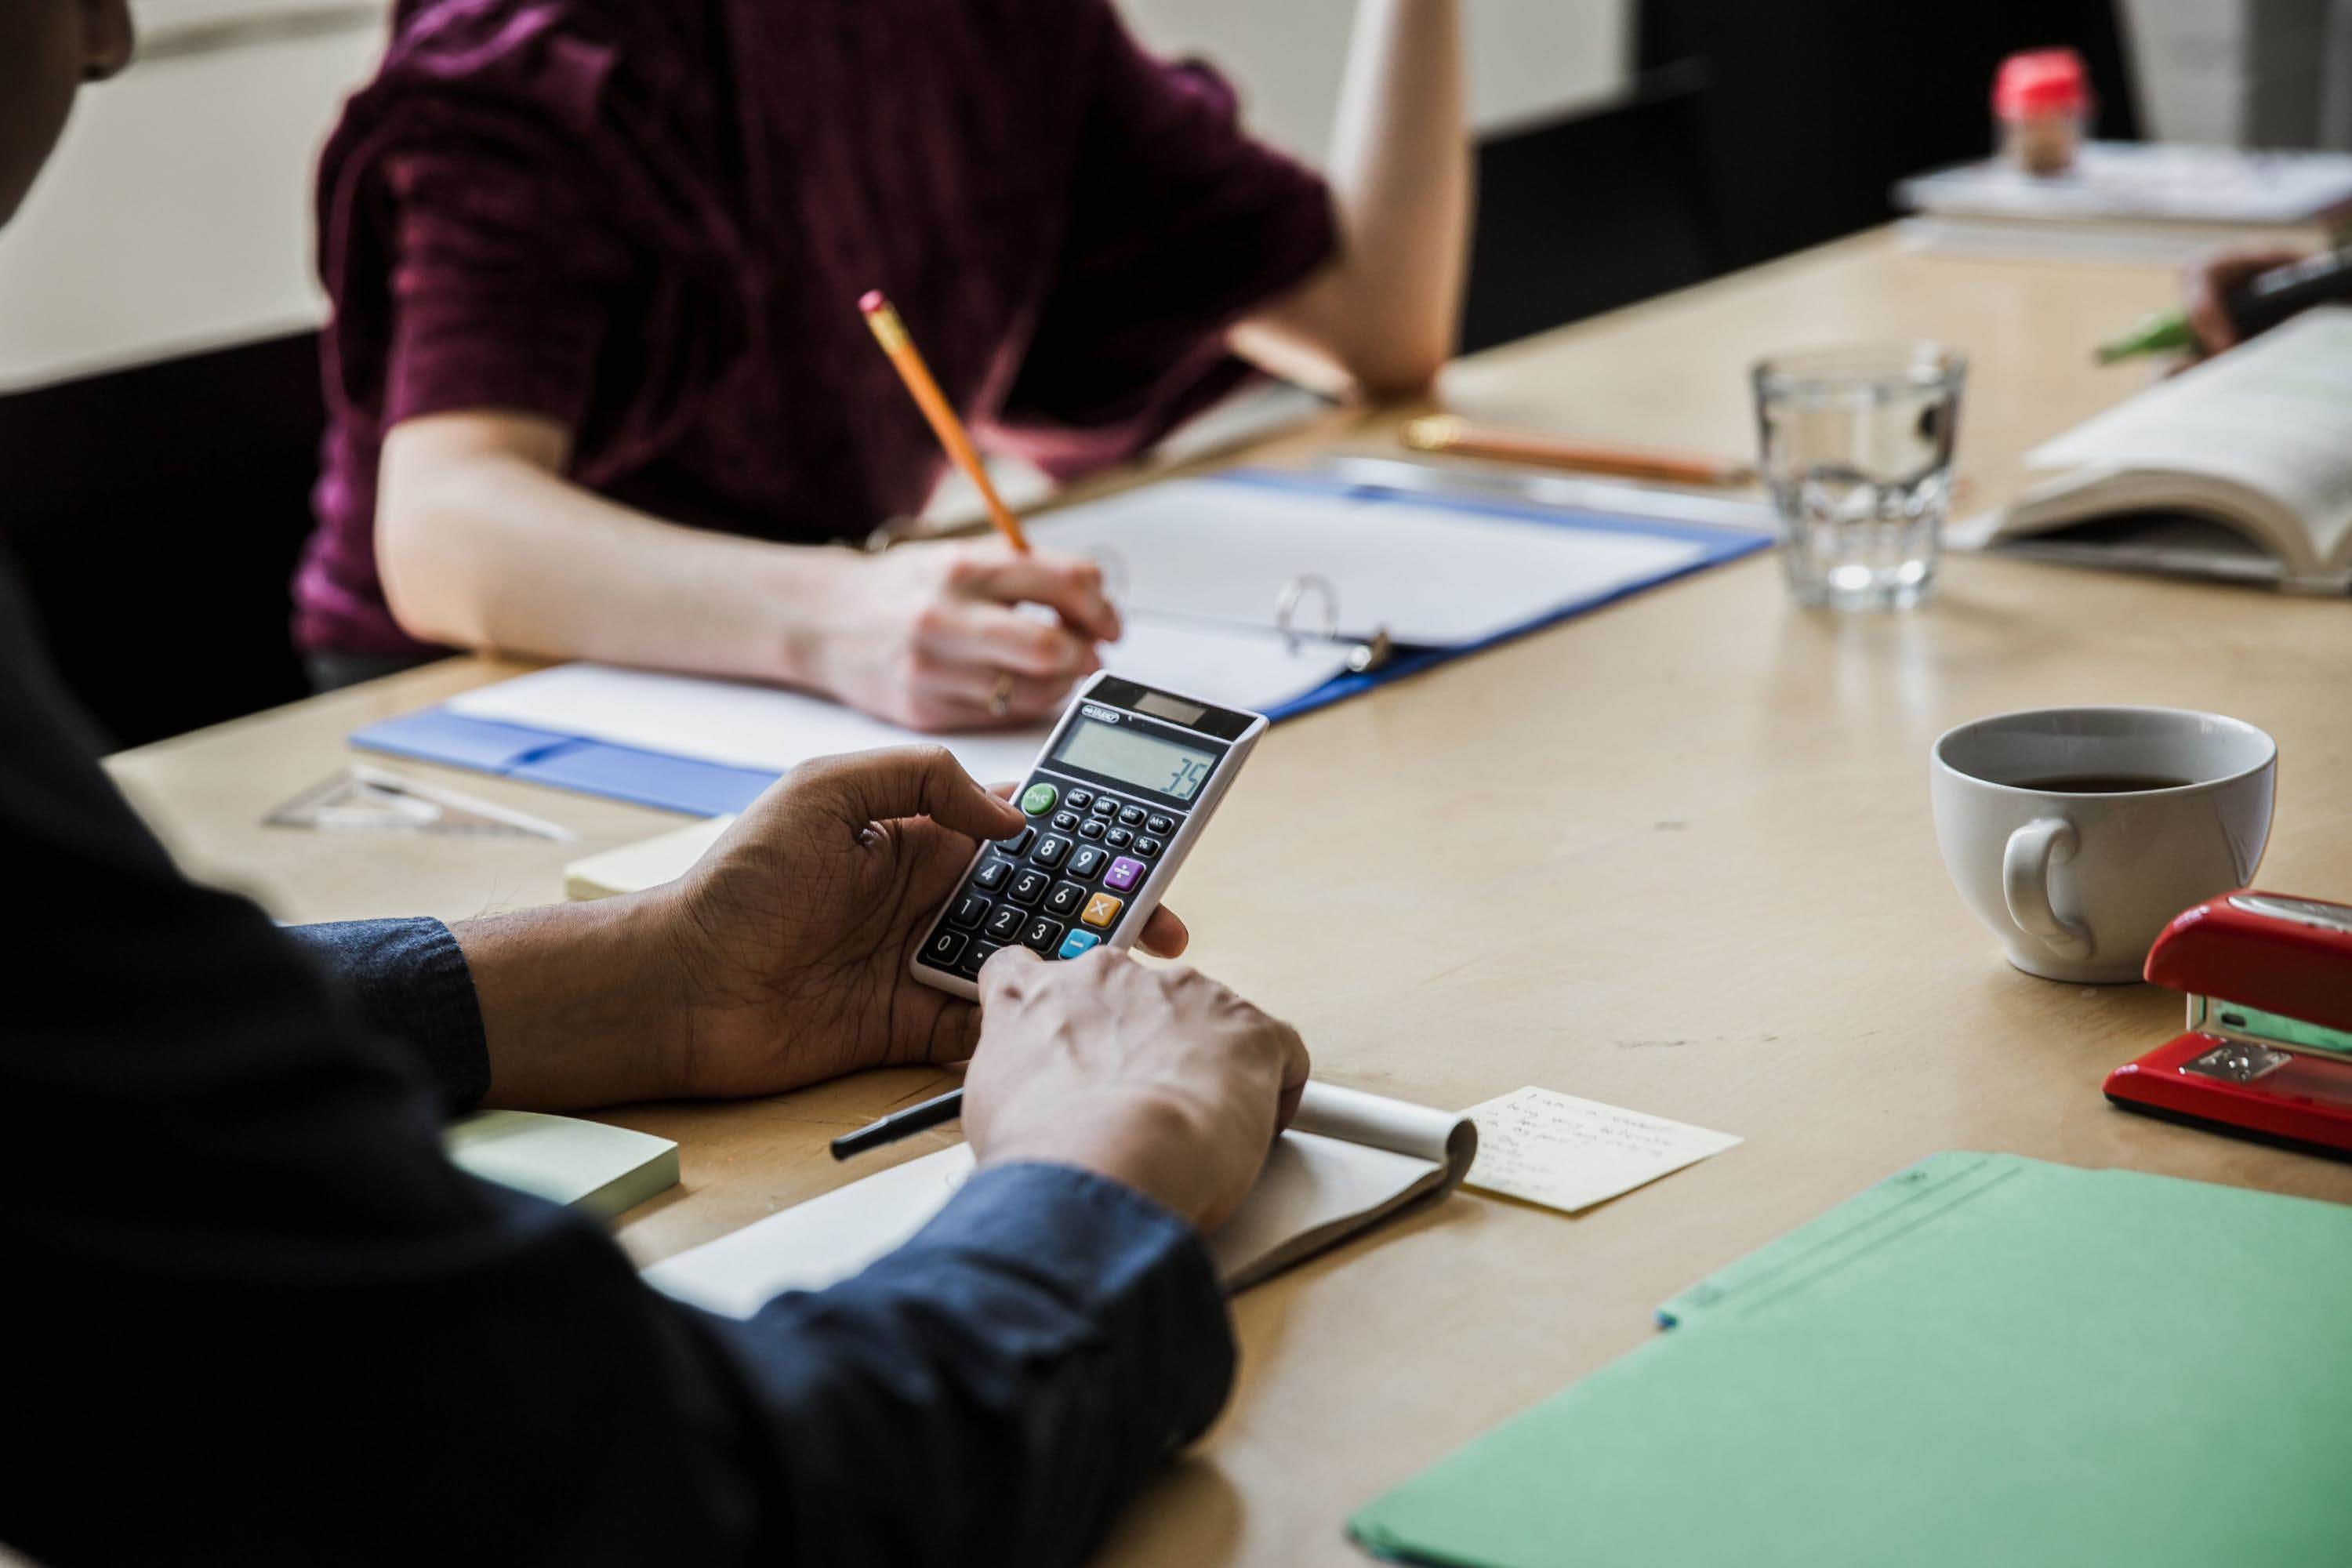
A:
(1129, 755)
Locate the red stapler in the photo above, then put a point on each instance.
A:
(2269, 1048)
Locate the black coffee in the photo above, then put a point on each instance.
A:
(2099, 784)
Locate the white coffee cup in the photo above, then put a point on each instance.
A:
(2075, 872)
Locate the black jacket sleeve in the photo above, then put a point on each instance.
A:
(256, 1317)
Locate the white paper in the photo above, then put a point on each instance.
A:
(1568, 1153)
(1225, 551)
(767, 727)
(1319, 1186)
(727, 722)
(2148, 181)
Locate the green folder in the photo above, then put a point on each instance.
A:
(1984, 1360)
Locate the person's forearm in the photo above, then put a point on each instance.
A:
(583, 1005)
(1400, 172)
(490, 549)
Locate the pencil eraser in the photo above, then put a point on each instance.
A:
(872, 300)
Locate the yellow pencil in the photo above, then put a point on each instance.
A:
(891, 333)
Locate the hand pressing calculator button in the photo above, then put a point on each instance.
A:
(1123, 757)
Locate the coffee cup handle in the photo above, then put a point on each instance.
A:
(2025, 883)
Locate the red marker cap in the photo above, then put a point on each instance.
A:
(2041, 81)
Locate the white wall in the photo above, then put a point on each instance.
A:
(176, 216)
(2262, 73)
(1528, 58)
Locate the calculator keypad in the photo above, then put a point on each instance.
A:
(1061, 891)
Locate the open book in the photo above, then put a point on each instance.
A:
(1349, 1161)
(2239, 467)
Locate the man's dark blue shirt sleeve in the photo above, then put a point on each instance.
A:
(409, 980)
(258, 1318)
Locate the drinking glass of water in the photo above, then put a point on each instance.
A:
(1857, 447)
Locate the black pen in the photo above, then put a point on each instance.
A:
(900, 1124)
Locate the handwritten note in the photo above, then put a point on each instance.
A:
(1568, 1153)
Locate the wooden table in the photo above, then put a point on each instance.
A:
(1675, 855)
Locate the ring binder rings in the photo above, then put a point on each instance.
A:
(1364, 654)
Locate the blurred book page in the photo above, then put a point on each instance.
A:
(2272, 418)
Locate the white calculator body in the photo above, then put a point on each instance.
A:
(1114, 803)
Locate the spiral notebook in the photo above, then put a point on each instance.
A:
(1348, 1161)
(1276, 592)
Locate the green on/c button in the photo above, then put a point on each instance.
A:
(1039, 798)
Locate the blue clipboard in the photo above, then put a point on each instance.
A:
(669, 782)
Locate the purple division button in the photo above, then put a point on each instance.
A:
(1124, 874)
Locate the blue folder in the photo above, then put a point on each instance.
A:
(671, 783)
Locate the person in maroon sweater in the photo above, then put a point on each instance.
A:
(598, 384)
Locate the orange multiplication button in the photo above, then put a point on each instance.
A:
(1102, 910)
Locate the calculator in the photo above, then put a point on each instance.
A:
(1113, 804)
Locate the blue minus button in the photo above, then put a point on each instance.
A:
(1077, 942)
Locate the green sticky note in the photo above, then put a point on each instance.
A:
(1993, 1361)
(598, 1170)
